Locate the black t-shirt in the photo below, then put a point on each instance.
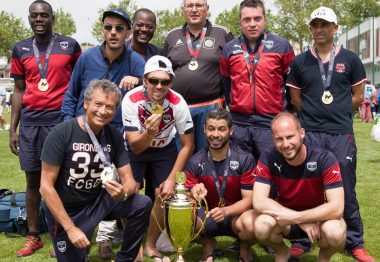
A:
(71, 148)
(335, 118)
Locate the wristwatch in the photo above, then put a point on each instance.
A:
(125, 196)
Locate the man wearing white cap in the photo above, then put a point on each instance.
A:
(326, 85)
(151, 115)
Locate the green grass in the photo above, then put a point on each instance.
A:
(368, 193)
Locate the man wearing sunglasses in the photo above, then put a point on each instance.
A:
(152, 113)
(113, 61)
(195, 50)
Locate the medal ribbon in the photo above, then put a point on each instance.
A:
(251, 65)
(194, 54)
(220, 189)
(327, 80)
(43, 69)
(98, 148)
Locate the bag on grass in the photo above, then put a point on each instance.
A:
(13, 214)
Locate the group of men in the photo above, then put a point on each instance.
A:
(166, 105)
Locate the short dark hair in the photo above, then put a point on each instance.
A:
(42, 2)
(144, 10)
(251, 3)
(105, 86)
(218, 114)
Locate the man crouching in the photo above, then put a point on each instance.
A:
(310, 199)
(79, 184)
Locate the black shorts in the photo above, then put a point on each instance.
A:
(213, 229)
(159, 160)
(32, 139)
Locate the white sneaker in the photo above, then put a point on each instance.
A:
(7, 126)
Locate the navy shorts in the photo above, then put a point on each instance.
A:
(213, 229)
(136, 209)
(251, 139)
(32, 139)
(159, 160)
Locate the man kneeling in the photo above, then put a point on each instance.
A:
(310, 199)
(78, 182)
(223, 174)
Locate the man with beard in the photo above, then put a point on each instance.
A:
(152, 114)
(223, 174)
(326, 86)
(41, 68)
(310, 198)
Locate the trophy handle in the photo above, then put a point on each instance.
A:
(204, 220)
(163, 203)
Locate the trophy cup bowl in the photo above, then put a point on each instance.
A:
(180, 217)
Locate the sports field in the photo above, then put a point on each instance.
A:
(368, 184)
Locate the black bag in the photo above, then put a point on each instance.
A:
(13, 214)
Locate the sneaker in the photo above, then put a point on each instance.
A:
(52, 253)
(32, 244)
(361, 255)
(296, 252)
(105, 250)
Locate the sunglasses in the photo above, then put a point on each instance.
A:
(119, 28)
(155, 81)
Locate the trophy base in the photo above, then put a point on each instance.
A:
(180, 259)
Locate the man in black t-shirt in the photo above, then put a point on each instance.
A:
(326, 86)
(77, 183)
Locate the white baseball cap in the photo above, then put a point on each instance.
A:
(324, 13)
(158, 63)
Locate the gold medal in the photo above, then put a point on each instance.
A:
(157, 109)
(193, 65)
(327, 98)
(43, 85)
(222, 202)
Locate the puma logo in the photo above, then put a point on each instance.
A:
(278, 167)
(349, 158)
(327, 96)
(201, 165)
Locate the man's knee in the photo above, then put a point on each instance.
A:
(245, 225)
(333, 233)
(264, 226)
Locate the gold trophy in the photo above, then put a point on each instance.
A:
(180, 217)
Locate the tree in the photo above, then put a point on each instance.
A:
(12, 30)
(64, 23)
(126, 5)
(166, 21)
(231, 20)
(291, 21)
(354, 12)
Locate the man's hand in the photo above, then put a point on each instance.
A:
(218, 214)
(77, 237)
(14, 142)
(283, 217)
(115, 190)
(152, 124)
(312, 231)
(199, 191)
(128, 82)
(167, 189)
